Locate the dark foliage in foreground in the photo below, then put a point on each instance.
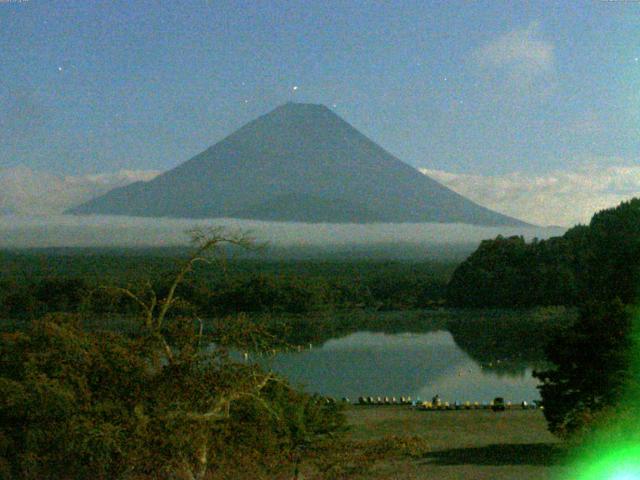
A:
(78, 405)
(591, 367)
(155, 405)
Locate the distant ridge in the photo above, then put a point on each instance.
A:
(299, 162)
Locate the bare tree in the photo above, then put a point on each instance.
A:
(210, 247)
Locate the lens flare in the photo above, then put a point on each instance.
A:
(619, 463)
(626, 475)
(614, 450)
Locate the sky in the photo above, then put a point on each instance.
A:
(481, 92)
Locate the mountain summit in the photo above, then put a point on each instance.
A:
(299, 162)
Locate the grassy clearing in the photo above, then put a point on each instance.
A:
(443, 429)
(399, 442)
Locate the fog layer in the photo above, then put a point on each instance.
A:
(109, 231)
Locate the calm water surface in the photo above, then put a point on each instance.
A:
(415, 364)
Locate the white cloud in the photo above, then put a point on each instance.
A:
(27, 192)
(558, 198)
(521, 46)
(518, 63)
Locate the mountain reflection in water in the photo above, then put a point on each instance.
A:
(415, 364)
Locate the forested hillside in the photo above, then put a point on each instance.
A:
(596, 261)
(35, 283)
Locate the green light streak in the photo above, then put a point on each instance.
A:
(613, 452)
(619, 463)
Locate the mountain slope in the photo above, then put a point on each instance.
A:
(299, 162)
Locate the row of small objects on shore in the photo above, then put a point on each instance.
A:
(498, 404)
(386, 401)
(440, 405)
(478, 406)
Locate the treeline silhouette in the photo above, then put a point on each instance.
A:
(77, 283)
(599, 261)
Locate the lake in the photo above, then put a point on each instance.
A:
(404, 364)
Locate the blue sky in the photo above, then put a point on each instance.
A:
(487, 88)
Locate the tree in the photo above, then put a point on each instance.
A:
(158, 405)
(591, 367)
(600, 261)
(612, 264)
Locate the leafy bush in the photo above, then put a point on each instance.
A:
(156, 405)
